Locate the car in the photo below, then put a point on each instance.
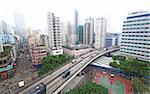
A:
(104, 72)
(39, 89)
(74, 60)
(112, 75)
(81, 73)
(65, 74)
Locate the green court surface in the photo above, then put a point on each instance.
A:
(117, 88)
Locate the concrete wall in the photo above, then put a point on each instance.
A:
(76, 52)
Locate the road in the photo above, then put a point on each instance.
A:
(54, 77)
(55, 80)
(23, 72)
(77, 69)
(59, 81)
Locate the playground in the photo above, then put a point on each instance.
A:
(115, 84)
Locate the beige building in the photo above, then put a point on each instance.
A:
(37, 54)
(37, 50)
(88, 34)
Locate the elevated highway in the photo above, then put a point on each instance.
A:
(82, 65)
(55, 82)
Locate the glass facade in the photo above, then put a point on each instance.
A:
(80, 33)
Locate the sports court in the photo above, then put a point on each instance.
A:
(115, 84)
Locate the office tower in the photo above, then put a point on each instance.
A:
(88, 32)
(54, 33)
(75, 21)
(20, 26)
(64, 33)
(4, 27)
(80, 33)
(100, 33)
(70, 36)
(116, 36)
(75, 37)
(43, 40)
(136, 35)
(1, 46)
(110, 41)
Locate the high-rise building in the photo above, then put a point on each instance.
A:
(110, 41)
(20, 26)
(75, 21)
(4, 27)
(80, 33)
(38, 48)
(75, 36)
(6, 34)
(88, 32)
(136, 35)
(64, 33)
(43, 40)
(54, 33)
(116, 36)
(8, 55)
(70, 35)
(1, 46)
(100, 33)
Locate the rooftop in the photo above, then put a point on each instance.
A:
(6, 52)
(6, 68)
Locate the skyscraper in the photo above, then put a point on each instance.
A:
(136, 35)
(88, 32)
(75, 36)
(20, 26)
(117, 38)
(1, 45)
(100, 33)
(4, 27)
(75, 21)
(80, 33)
(64, 33)
(54, 33)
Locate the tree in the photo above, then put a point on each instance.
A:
(89, 88)
(50, 62)
(139, 86)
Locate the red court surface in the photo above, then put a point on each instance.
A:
(115, 84)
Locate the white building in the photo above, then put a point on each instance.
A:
(54, 33)
(88, 34)
(100, 33)
(1, 45)
(136, 35)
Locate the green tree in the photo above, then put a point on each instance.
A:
(89, 88)
(50, 62)
(139, 86)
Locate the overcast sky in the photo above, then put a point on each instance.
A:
(34, 11)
